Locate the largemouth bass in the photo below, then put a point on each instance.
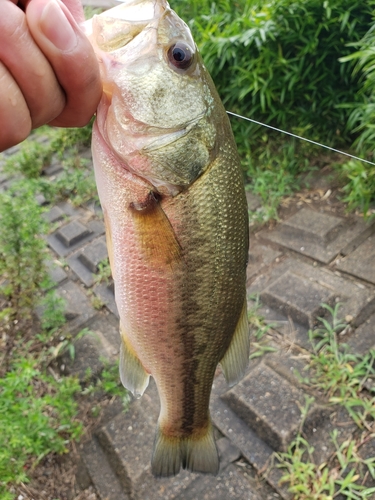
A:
(172, 193)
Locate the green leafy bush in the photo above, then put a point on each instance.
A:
(63, 139)
(360, 188)
(362, 117)
(278, 61)
(22, 248)
(29, 161)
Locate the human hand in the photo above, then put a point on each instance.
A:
(48, 69)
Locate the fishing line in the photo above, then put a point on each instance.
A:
(300, 137)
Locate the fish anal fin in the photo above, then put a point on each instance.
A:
(157, 239)
(132, 373)
(196, 453)
(236, 358)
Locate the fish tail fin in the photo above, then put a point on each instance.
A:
(196, 454)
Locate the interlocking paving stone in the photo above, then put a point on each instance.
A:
(231, 483)
(316, 227)
(105, 480)
(291, 365)
(106, 326)
(253, 201)
(269, 404)
(252, 447)
(78, 309)
(85, 261)
(228, 452)
(319, 435)
(260, 256)
(288, 286)
(319, 235)
(68, 238)
(363, 338)
(54, 215)
(361, 262)
(149, 488)
(105, 292)
(56, 272)
(72, 233)
(298, 297)
(129, 437)
(93, 254)
(102, 342)
(256, 451)
(53, 168)
(41, 200)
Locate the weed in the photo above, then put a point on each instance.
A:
(259, 329)
(53, 315)
(340, 374)
(110, 383)
(76, 183)
(37, 416)
(29, 161)
(341, 475)
(65, 139)
(67, 344)
(104, 272)
(22, 249)
(360, 188)
(96, 302)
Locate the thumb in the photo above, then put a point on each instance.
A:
(71, 56)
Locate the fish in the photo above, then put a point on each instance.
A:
(172, 193)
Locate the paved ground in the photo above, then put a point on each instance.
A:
(315, 255)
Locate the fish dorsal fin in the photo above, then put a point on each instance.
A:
(236, 359)
(132, 374)
(157, 239)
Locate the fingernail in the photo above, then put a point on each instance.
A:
(57, 28)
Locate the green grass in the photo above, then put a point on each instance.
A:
(259, 330)
(37, 417)
(341, 376)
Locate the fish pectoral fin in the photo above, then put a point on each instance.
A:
(156, 236)
(132, 374)
(194, 453)
(236, 359)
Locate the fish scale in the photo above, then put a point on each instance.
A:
(171, 187)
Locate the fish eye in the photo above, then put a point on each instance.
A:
(181, 55)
